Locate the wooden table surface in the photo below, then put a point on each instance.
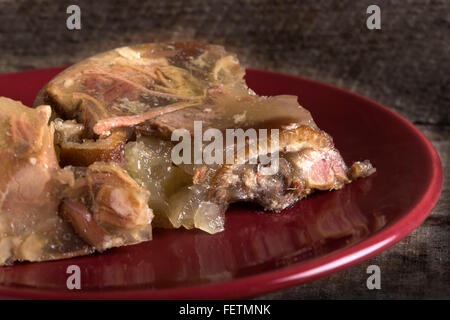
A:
(405, 66)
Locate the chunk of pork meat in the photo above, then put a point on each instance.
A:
(107, 207)
(31, 180)
(33, 185)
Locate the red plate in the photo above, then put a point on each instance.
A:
(260, 252)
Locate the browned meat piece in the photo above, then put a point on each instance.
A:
(33, 184)
(74, 150)
(361, 169)
(308, 162)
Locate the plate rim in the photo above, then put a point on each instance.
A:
(295, 274)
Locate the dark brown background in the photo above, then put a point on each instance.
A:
(405, 66)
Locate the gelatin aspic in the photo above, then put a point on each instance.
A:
(95, 152)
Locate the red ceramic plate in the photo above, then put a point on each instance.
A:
(260, 252)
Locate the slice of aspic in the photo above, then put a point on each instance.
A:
(147, 91)
(154, 89)
(34, 187)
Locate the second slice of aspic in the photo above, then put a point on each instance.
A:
(125, 106)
